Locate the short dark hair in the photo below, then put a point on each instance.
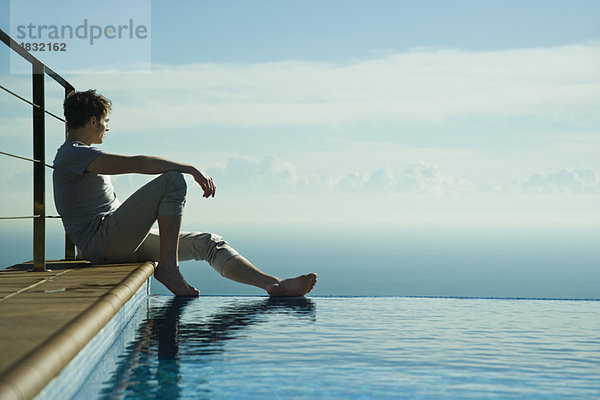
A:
(79, 107)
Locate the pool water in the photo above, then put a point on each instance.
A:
(361, 348)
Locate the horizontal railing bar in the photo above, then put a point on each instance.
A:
(55, 116)
(10, 42)
(33, 104)
(24, 217)
(31, 216)
(24, 158)
(20, 97)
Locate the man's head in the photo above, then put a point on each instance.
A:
(80, 107)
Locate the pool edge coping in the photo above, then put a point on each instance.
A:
(27, 377)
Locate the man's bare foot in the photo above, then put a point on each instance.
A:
(293, 287)
(174, 281)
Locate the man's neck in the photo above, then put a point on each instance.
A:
(80, 135)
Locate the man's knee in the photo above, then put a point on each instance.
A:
(175, 180)
(174, 191)
(220, 252)
(207, 246)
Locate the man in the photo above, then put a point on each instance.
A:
(107, 231)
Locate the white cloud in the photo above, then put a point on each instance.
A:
(246, 175)
(380, 181)
(427, 178)
(418, 177)
(270, 175)
(582, 180)
(350, 183)
(418, 85)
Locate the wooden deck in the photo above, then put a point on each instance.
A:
(47, 317)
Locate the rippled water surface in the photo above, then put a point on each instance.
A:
(362, 347)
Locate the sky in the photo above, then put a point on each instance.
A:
(335, 113)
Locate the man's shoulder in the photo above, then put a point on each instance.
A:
(72, 150)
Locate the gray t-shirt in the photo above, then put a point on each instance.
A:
(82, 198)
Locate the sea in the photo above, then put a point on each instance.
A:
(457, 261)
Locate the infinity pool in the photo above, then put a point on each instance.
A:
(360, 348)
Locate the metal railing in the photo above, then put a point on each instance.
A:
(38, 72)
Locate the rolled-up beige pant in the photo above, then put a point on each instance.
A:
(126, 236)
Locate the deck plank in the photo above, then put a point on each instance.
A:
(34, 306)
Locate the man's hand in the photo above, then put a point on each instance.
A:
(205, 182)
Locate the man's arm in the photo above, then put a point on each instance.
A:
(113, 164)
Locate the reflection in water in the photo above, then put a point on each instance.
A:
(164, 330)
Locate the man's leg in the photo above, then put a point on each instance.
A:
(241, 270)
(122, 233)
(227, 262)
(167, 271)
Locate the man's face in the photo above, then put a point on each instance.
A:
(100, 128)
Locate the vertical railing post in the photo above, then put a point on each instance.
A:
(39, 173)
(69, 246)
